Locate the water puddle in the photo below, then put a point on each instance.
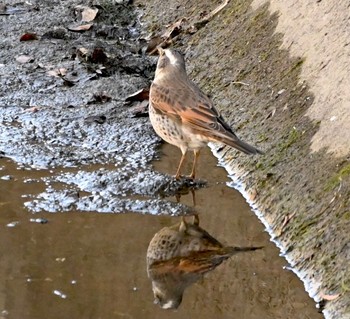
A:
(94, 265)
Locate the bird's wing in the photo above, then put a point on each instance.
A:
(164, 101)
(203, 118)
(195, 110)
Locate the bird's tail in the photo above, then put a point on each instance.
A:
(216, 257)
(236, 250)
(241, 146)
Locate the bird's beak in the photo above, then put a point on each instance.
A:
(160, 51)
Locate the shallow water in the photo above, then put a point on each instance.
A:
(93, 265)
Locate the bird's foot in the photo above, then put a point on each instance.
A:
(184, 177)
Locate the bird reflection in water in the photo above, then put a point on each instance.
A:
(180, 255)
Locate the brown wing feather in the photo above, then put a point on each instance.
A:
(199, 114)
(163, 101)
(196, 111)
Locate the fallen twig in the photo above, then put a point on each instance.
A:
(241, 83)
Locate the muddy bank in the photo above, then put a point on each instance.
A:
(303, 195)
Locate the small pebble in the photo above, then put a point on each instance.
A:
(39, 220)
(30, 180)
(12, 224)
(6, 177)
(60, 294)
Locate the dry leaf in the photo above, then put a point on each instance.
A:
(3, 8)
(98, 56)
(33, 109)
(139, 96)
(173, 29)
(82, 51)
(101, 70)
(17, 9)
(100, 97)
(287, 219)
(57, 72)
(88, 14)
(205, 17)
(99, 119)
(329, 297)
(140, 109)
(24, 59)
(28, 37)
(80, 28)
(252, 194)
(68, 82)
(271, 114)
(153, 43)
(55, 33)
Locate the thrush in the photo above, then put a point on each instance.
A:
(182, 115)
(180, 255)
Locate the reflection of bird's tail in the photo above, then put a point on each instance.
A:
(213, 258)
(235, 250)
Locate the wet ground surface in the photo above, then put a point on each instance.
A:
(94, 264)
(48, 139)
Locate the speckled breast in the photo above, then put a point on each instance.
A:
(169, 130)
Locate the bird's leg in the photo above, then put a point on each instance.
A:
(177, 176)
(196, 219)
(178, 197)
(195, 158)
(193, 192)
(195, 216)
(183, 225)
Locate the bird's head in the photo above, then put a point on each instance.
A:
(167, 297)
(169, 61)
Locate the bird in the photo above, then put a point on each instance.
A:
(179, 255)
(182, 115)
